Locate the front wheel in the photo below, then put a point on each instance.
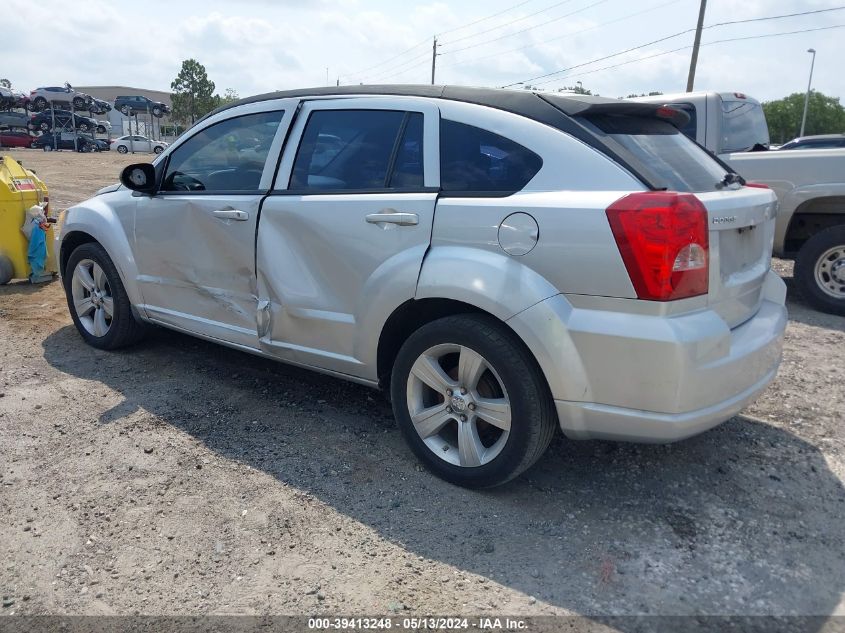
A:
(122, 149)
(158, 149)
(471, 401)
(820, 270)
(97, 300)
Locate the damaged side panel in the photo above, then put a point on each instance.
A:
(196, 267)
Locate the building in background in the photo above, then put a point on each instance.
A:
(119, 122)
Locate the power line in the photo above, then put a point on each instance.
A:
(776, 17)
(683, 48)
(397, 56)
(464, 26)
(672, 36)
(529, 28)
(560, 37)
(400, 69)
(627, 50)
(425, 41)
(501, 26)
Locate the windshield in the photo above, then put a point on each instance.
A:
(743, 126)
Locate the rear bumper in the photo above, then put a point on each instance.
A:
(583, 420)
(622, 376)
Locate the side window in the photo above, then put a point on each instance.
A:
(473, 159)
(355, 150)
(226, 156)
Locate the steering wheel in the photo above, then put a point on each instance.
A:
(185, 182)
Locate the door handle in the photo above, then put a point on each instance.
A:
(393, 217)
(231, 214)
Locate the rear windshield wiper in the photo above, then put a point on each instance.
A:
(731, 178)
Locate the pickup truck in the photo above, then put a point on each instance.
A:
(809, 184)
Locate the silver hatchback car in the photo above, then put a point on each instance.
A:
(501, 262)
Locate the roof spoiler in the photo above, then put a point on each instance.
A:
(598, 107)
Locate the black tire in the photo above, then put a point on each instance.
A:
(6, 269)
(124, 329)
(533, 417)
(101, 129)
(122, 149)
(157, 112)
(83, 127)
(158, 149)
(805, 270)
(125, 110)
(44, 126)
(40, 104)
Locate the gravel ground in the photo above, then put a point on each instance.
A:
(179, 477)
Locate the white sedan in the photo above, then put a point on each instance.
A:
(136, 143)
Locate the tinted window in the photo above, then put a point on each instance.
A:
(691, 128)
(658, 147)
(408, 166)
(227, 156)
(346, 149)
(473, 159)
(743, 126)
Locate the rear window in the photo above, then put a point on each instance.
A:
(476, 160)
(670, 158)
(743, 126)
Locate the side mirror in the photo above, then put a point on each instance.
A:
(139, 177)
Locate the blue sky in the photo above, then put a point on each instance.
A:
(255, 46)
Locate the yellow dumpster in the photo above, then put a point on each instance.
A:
(20, 188)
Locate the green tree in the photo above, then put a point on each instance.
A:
(825, 115)
(653, 93)
(193, 92)
(230, 95)
(6, 83)
(577, 89)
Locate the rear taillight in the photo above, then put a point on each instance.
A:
(757, 185)
(662, 237)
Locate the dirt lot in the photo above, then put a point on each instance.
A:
(181, 477)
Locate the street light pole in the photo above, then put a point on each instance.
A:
(807, 96)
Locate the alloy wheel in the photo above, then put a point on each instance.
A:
(458, 405)
(92, 297)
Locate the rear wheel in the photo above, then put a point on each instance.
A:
(158, 149)
(122, 149)
(83, 127)
(157, 112)
(40, 104)
(125, 110)
(471, 401)
(97, 300)
(820, 270)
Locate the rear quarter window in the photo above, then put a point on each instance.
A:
(666, 155)
(476, 160)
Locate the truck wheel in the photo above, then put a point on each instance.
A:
(820, 270)
(6, 270)
(471, 401)
(97, 300)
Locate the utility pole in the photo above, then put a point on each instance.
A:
(807, 96)
(433, 58)
(695, 46)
